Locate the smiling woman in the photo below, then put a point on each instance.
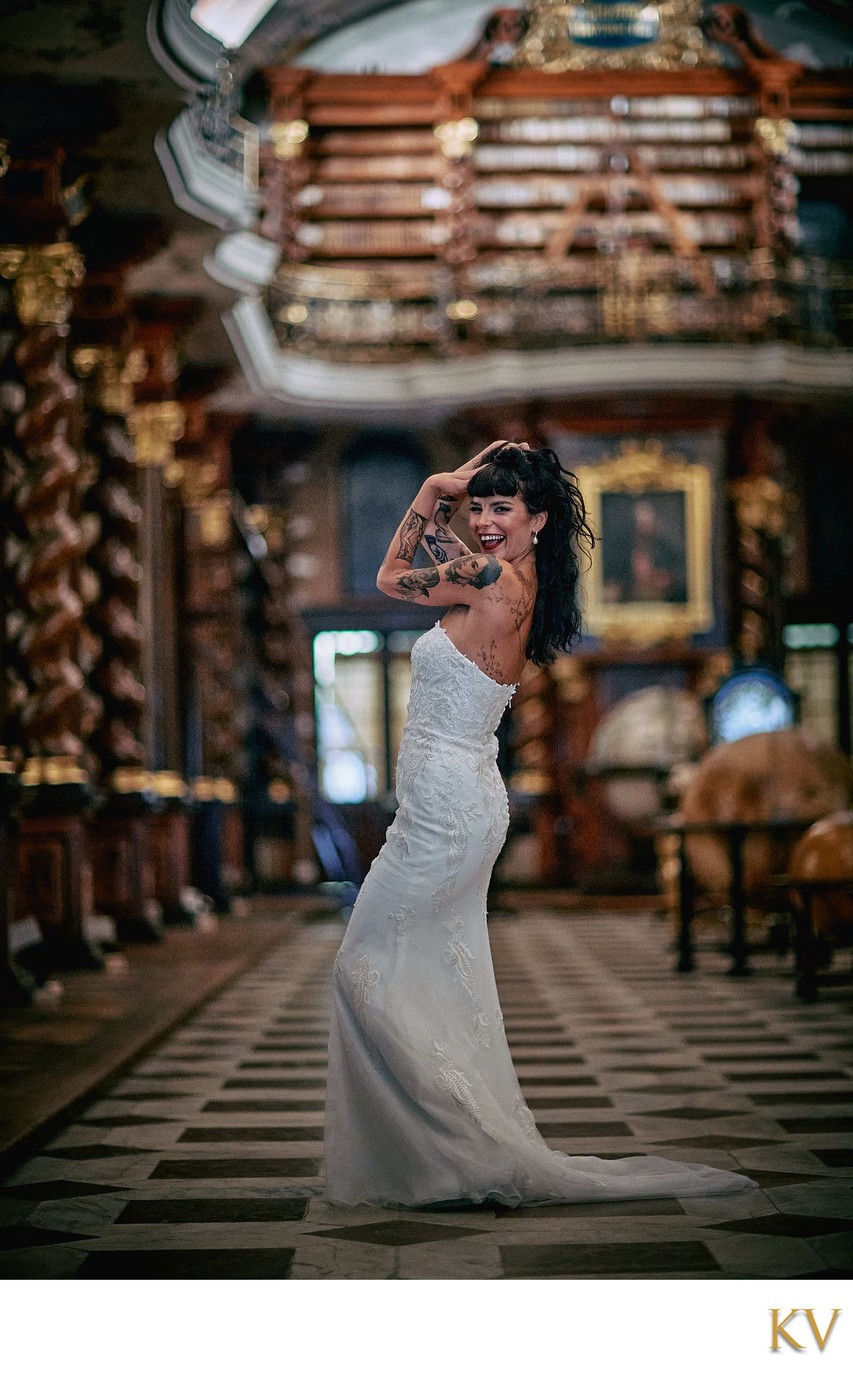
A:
(423, 1104)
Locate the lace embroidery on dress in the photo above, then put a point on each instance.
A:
(363, 979)
(524, 1117)
(456, 824)
(459, 956)
(403, 918)
(454, 1082)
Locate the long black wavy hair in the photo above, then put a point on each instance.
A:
(544, 486)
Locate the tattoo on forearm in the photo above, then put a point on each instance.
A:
(436, 550)
(476, 571)
(411, 532)
(417, 583)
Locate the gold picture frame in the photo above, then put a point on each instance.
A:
(650, 578)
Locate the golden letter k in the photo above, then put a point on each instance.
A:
(779, 1331)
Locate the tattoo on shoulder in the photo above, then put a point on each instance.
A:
(477, 571)
(411, 532)
(417, 583)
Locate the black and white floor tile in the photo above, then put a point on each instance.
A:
(206, 1159)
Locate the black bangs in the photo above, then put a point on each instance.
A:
(494, 478)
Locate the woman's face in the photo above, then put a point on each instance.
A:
(502, 526)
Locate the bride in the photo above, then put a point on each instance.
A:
(423, 1105)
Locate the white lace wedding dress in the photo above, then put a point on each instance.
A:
(423, 1105)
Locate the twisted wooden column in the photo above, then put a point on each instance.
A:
(533, 776)
(281, 768)
(114, 559)
(45, 569)
(759, 510)
(120, 836)
(284, 167)
(14, 685)
(213, 623)
(155, 424)
(15, 986)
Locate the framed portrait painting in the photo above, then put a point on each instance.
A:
(650, 579)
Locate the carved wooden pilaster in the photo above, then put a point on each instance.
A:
(533, 777)
(155, 423)
(15, 986)
(120, 836)
(456, 132)
(284, 167)
(216, 714)
(759, 509)
(575, 714)
(278, 810)
(114, 557)
(45, 501)
(45, 496)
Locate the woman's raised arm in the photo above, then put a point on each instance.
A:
(439, 539)
(454, 581)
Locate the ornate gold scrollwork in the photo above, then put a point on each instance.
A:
(155, 427)
(457, 137)
(577, 35)
(115, 374)
(44, 277)
(214, 520)
(760, 504)
(288, 136)
(58, 771)
(214, 789)
(572, 680)
(775, 135)
(168, 785)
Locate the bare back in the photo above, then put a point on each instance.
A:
(493, 629)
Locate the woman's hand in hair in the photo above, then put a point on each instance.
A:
(453, 484)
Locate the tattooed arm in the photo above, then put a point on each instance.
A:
(456, 581)
(458, 573)
(439, 539)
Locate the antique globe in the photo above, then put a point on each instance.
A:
(638, 743)
(775, 777)
(824, 855)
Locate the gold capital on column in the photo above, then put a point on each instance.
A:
(155, 427)
(113, 372)
(44, 276)
(760, 504)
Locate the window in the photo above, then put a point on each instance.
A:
(819, 667)
(380, 476)
(362, 681)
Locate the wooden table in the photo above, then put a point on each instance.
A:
(809, 951)
(735, 833)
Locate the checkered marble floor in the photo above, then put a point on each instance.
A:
(206, 1159)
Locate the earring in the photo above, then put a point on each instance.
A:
(535, 539)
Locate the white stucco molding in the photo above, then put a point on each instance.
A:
(200, 184)
(778, 370)
(244, 261)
